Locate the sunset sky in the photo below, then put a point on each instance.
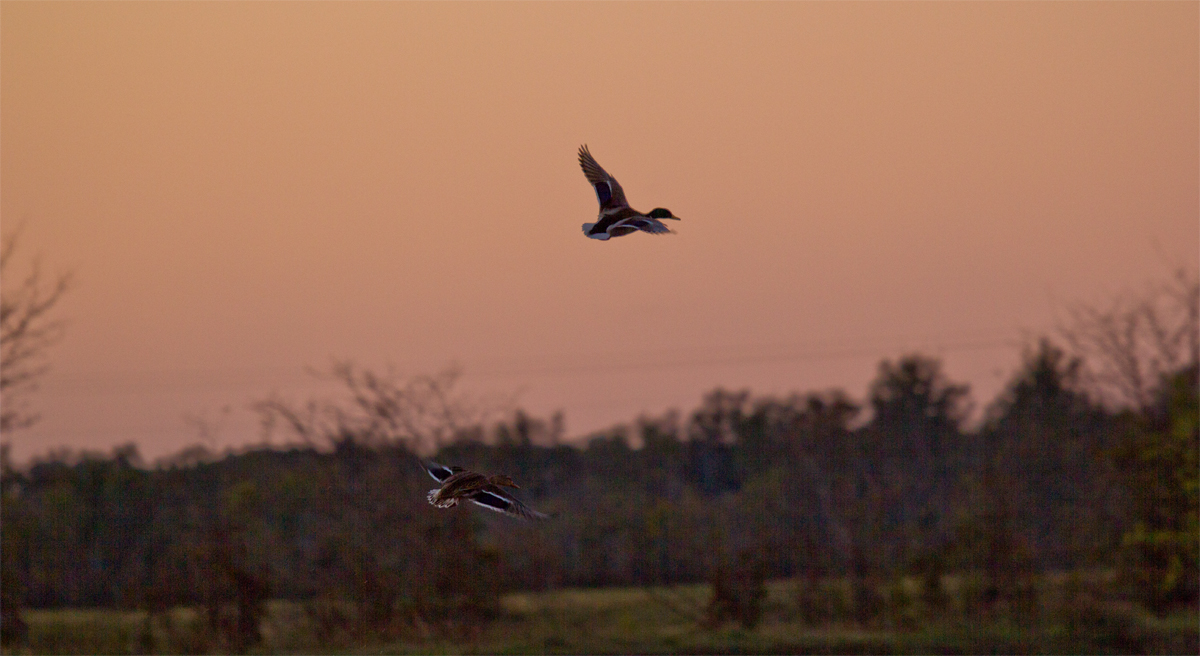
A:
(244, 190)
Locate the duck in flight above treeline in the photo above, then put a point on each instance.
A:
(459, 484)
(617, 218)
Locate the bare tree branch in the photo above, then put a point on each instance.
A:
(1132, 344)
(27, 332)
(423, 412)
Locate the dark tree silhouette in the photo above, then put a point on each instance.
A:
(912, 450)
(1159, 463)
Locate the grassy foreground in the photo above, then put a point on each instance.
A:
(644, 620)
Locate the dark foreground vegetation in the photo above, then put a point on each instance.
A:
(656, 620)
(804, 523)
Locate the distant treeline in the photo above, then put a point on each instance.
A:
(810, 484)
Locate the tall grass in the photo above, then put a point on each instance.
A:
(1060, 614)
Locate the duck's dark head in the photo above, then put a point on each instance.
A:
(501, 479)
(662, 213)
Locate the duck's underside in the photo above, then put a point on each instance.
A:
(603, 230)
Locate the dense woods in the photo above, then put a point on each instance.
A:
(811, 485)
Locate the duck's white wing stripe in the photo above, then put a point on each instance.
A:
(493, 501)
(439, 472)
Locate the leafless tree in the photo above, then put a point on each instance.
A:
(423, 412)
(27, 331)
(1129, 345)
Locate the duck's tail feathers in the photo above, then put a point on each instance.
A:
(442, 503)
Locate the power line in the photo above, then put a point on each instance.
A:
(777, 357)
(218, 379)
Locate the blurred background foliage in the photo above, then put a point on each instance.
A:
(1059, 509)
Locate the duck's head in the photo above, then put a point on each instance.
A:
(502, 479)
(662, 213)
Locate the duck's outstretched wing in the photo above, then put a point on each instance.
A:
(652, 226)
(439, 472)
(502, 503)
(608, 190)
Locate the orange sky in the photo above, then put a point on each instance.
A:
(247, 189)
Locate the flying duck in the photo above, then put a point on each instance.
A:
(458, 483)
(617, 218)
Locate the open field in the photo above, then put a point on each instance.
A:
(644, 620)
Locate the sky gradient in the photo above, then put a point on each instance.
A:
(244, 190)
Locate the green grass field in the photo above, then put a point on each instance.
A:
(640, 620)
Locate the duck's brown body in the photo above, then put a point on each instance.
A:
(459, 484)
(464, 484)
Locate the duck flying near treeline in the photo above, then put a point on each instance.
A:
(459, 484)
(617, 218)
